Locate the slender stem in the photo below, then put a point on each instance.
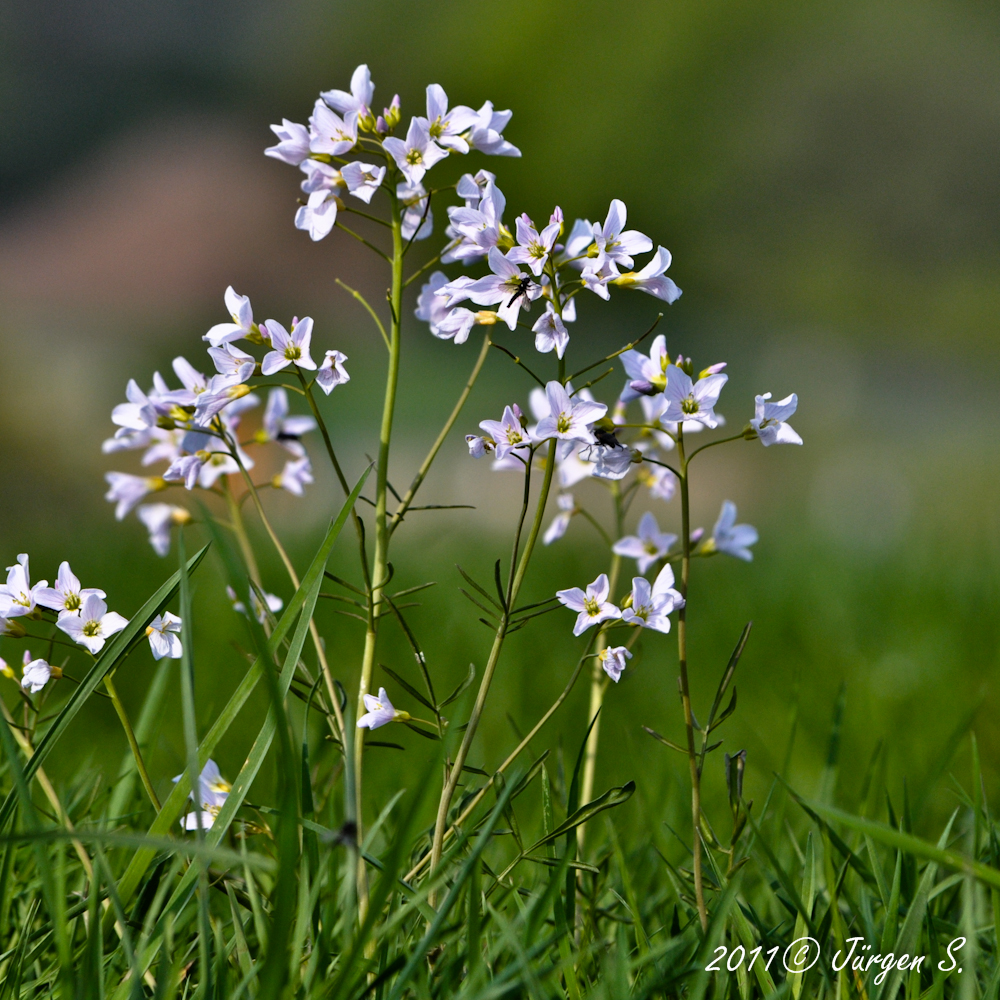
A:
(380, 570)
(436, 447)
(240, 530)
(361, 239)
(608, 540)
(448, 791)
(371, 312)
(425, 267)
(615, 354)
(132, 741)
(712, 444)
(366, 215)
(517, 361)
(699, 890)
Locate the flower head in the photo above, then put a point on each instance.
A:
(508, 435)
(278, 426)
(568, 420)
(417, 154)
(331, 134)
(487, 132)
(332, 372)
(615, 244)
(127, 490)
(769, 420)
(221, 391)
(647, 546)
(567, 508)
(550, 333)
(647, 374)
(593, 604)
(729, 537)
(66, 595)
(293, 143)
(295, 476)
(362, 179)
(213, 790)
(380, 711)
(164, 636)
(35, 674)
(323, 185)
(533, 247)
(688, 400)
(93, 625)
(17, 596)
(651, 606)
(242, 324)
(418, 219)
(446, 126)
(288, 348)
(651, 278)
(232, 362)
(159, 518)
(613, 660)
(361, 95)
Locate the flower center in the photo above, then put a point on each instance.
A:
(563, 423)
(92, 628)
(293, 353)
(437, 128)
(72, 602)
(536, 249)
(23, 599)
(513, 436)
(414, 156)
(689, 405)
(591, 606)
(651, 548)
(642, 611)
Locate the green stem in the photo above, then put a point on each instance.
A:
(132, 741)
(240, 530)
(712, 444)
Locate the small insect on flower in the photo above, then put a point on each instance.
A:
(164, 639)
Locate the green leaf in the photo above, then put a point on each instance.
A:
(611, 798)
(461, 687)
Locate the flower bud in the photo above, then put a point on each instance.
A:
(750, 433)
(366, 119)
(645, 387)
(520, 416)
(712, 370)
(486, 317)
(12, 628)
(391, 114)
(380, 125)
(166, 423)
(180, 516)
(6, 670)
(734, 778)
(55, 672)
(627, 603)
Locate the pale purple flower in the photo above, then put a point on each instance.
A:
(231, 361)
(729, 537)
(362, 180)
(359, 100)
(487, 132)
(578, 243)
(662, 482)
(380, 711)
(332, 372)
(137, 415)
(331, 134)
(278, 426)
(5, 668)
(93, 625)
(288, 348)
(596, 277)
(508, 434)
(616, 244)
(293, 143)
(593, 605)
(647, 545)
(446, 322)
(769, 420)
(127, 490)
(568, 420)
(221, 391)
(17, 596)
(550, 333)
(479, 446)
(164, 638)
(567, 508)
(443, 125)
(478, 226)
(324, 185)
(647, 374)
(417, 154)
(508, 285)
(159, 518)
(273, 604)
(613, 659)
(652, 606)
(213, 790)
(186, 469)
(418, 219)
(66, 595)
(35, 674)
(295, 476)
(651, 278)
(533, 247)
(687, 400)
(609, 462)
(242, 324)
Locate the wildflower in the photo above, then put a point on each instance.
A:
(479, 446)
(293, 143)
(729, 537)
(278, 426)
(359, 100)
(6, 669)
(487, 132)
(417, 154)
(138, 414)
(651, 279)
(648, 545)
(596, 278)
(568, 420)
(17, 596)
(331, 134)
(478, 226)
(362, 180)
(508, 434)
(12, 628)
(93, 625)
(294, 477)
(332, 372)
(445, 322)
(610, 462)
(324, 185)
(615, 244)
(418, 219)
(242, 324)
(688, 400)
(35, 674)
(127, 490)
(769, 420)
(550, 333)
(579, 243)
(651, 606)
(288, 348)
(213, 790)
(613, 660)
(444, 126)
(159, 518)
(567, 508)
(66, 595)
(164, 640)
(273, 604)
(533, 247)
(662, 482)
(231, 361)
(593, 606)
(380, 711)
(220, 392)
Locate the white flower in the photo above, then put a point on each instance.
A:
(213, 790)
(417, 154)
(769, 420)
(651, 279)
(288, 348)
(231, 361)
(380, 711)
(127, 490)
(508, 435)
(331, 134)
(729, 537)
(647, 374)
(610, 462)
(444, 126)
(613, 660)
(550, 333)
(278, 426)
(579, 243)
(17, 596)
(418, 219)
(359, 100)
(293, 143)
(662, 482)
(687, 400)
(332, 372)
(534, 247)
(486, 134)
(362, 179)
(507, 285)
(159, 518)
(593, 606)
(137, 415)
(35, 674)
(479, 446)
(66, 595)
(324, 185)
(445, 322)
(93, 625)
(651, 607)
(477, 226)
(596, 276)
(221, 391)
(164, 639)
(615, 244)
(274, 604)
(294, 477)
(568, 420)
(242, 324)
(567, 508)
(648, 545)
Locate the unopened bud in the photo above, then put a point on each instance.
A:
(391, 114)
(55, 672)
(156, 483)
(750, 433)
(645, 387)
(486, 317)
(6, 670)
(166, 423)
(627, 603)
(380, 125)
(180, 516)
(712, 370)
(366, 120)
(12, 628)
(592, 250)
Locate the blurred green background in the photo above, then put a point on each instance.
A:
(825, 175)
